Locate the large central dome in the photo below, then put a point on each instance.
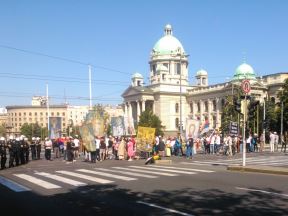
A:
(168, 44)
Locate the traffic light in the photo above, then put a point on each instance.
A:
(237, 105)
(252, 108)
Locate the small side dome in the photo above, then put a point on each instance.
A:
(137, 75)
(202, 73)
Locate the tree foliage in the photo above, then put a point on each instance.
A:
(31, 130)
(148, 119)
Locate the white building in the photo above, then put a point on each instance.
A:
(174, 100)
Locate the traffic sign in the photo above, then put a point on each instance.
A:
(246, 87)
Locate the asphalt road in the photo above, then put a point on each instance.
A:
(201, 186)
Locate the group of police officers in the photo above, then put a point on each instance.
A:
(18, 149)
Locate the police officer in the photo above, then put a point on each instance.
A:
(33, 148)
(38, 147)
(12, 150)
(17, 149)
(3, 147)
(26, 149)
(21, 150)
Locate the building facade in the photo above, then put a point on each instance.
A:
(174, 100)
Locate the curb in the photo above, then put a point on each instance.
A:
(266, 170)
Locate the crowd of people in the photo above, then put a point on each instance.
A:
(69, 148)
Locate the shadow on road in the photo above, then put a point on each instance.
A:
(112, 200)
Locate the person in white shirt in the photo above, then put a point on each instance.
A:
(272, 140)
(48, 148)
(76, 147)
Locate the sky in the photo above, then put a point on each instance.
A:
(49, 44)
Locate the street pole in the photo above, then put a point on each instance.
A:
(264, 119)
(48, 111)
(281, 132)
(90, 88)
(244, 131)
(181, 129)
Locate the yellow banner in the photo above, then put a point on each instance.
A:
(146, 134)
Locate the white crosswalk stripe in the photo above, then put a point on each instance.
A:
(259, 160)
(38, 181)
(71, 178)
(90, 178)
(163, 169)
(146, 171)
(127, 173)
(180, 168)
(107, 175)
(61, 179)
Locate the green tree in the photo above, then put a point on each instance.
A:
(148, 119)
(283, 97)
(31, 130)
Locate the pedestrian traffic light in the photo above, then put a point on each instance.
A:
(237, 105)
(252, 108)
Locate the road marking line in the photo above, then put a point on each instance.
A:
(13, 185)
(162, 169)
(262, 191)
(90, 178)
(38, 181)
(127, 173)
(146, 171)
(166, 209)
(107, 175)
(181, 168)
(61, 179)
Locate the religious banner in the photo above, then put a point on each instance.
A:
(145, 138)
(55, 127)
(96, 119)
(129, 126)
(117, 125)
(192, 128)
(86, 132)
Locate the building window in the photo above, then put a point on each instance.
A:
(191, 107)
(177, 123)
(64, 124)
(19, 114)
(41, 114)
(154, 69)
(58, 114)
(19, 119)
(176, 107)
(163, 77)
(52, 114)
(20, 124)
(15, 114)
(35, 113)
(41, 124)
(30, 114)
(214, 105)
(206, 106)
(178, 68)
(63, 114)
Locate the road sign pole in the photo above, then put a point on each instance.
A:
(244, 131)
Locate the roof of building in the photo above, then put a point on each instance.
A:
(201, 73)
(244, 71)
(137, 75)
(168, 44)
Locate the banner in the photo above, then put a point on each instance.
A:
(55, 127)
(129, 126)
(117, 125)
(145, 138)
(86, 132)
(192, 128)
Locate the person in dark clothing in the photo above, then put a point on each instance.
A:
(38, 148)
(33, 148)
(3, 147)
(26, 150)
(161, 147)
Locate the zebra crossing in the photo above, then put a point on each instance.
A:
(81, 177)
(259, 160)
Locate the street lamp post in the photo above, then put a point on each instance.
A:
(181, 128)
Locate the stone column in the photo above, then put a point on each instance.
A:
(129, 110)
(143, 105)
(201, 110)
(125, 110)
(138, 110)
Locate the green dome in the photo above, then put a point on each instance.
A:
(201, 73)
(244, 71)
(137, 75)
(168, 44)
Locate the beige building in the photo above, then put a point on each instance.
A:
(38, 113)
(174, 100)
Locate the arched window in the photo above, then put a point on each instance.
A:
(214, 105)
(206, 106)
(177, 123)
(191, 107)
(176, 108)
